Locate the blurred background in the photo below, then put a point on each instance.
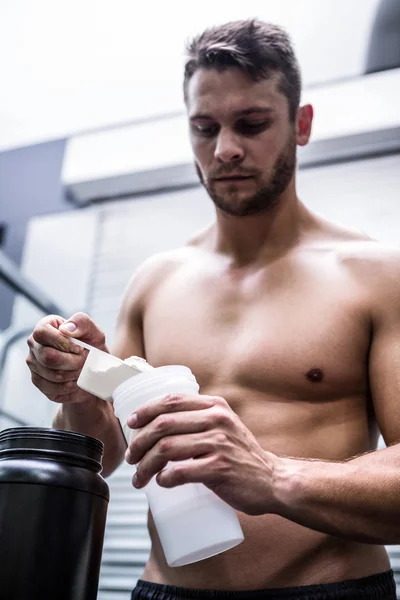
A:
(96, 171)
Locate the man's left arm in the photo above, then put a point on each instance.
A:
(360, 498)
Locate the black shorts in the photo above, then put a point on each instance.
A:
(375, 587)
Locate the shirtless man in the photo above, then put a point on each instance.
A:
(291, 325)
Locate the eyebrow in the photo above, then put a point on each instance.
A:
(239, 113)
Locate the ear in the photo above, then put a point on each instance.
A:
(303, 124)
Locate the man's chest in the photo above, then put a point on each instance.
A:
(295, 333)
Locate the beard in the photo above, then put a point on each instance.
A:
(266, 198)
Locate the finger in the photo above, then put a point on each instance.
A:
(56, 376)
(46, 333)
(173, 448)
(81, 326)
(170, 404)
(190, 471)
(54, 320)
(163, 426)
(54, 391)
(51, 358)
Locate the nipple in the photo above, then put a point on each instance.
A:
(315, 375)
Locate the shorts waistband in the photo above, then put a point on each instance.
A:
(375, 587)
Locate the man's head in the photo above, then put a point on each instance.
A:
(242, 89)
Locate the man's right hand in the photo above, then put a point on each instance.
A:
(55, 362)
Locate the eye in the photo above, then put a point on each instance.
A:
(208, 130)
(252, 127)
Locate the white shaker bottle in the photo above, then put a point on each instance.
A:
(192, 522)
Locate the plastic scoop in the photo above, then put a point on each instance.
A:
(103, 372)
(82, 344)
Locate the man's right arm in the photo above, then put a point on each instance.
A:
(55, 364)
(95, 417)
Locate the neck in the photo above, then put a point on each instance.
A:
(264, 235)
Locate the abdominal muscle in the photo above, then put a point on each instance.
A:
(277, 553)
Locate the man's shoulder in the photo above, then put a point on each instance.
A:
(369, 254)
(159, 267)
(359, 249)
(150, 275)
(374, 263)
(371, 261)
(375, 268)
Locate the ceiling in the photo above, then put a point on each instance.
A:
(73, 65)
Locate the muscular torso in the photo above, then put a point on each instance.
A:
(286, 344)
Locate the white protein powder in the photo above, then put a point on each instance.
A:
(138, 363)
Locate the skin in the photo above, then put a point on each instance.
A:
(291, 325)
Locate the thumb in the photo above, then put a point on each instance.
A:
(81, 326)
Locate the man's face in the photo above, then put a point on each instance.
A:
(243, 141)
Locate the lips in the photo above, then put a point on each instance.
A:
(233, 178)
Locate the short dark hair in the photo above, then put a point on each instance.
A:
(257, 48)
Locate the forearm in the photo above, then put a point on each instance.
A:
(358, 499)
(95, 418)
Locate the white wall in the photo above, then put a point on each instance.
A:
(57, 257)
(73, 65)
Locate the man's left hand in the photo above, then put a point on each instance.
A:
(226, 456)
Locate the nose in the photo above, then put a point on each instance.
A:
(228, 148)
